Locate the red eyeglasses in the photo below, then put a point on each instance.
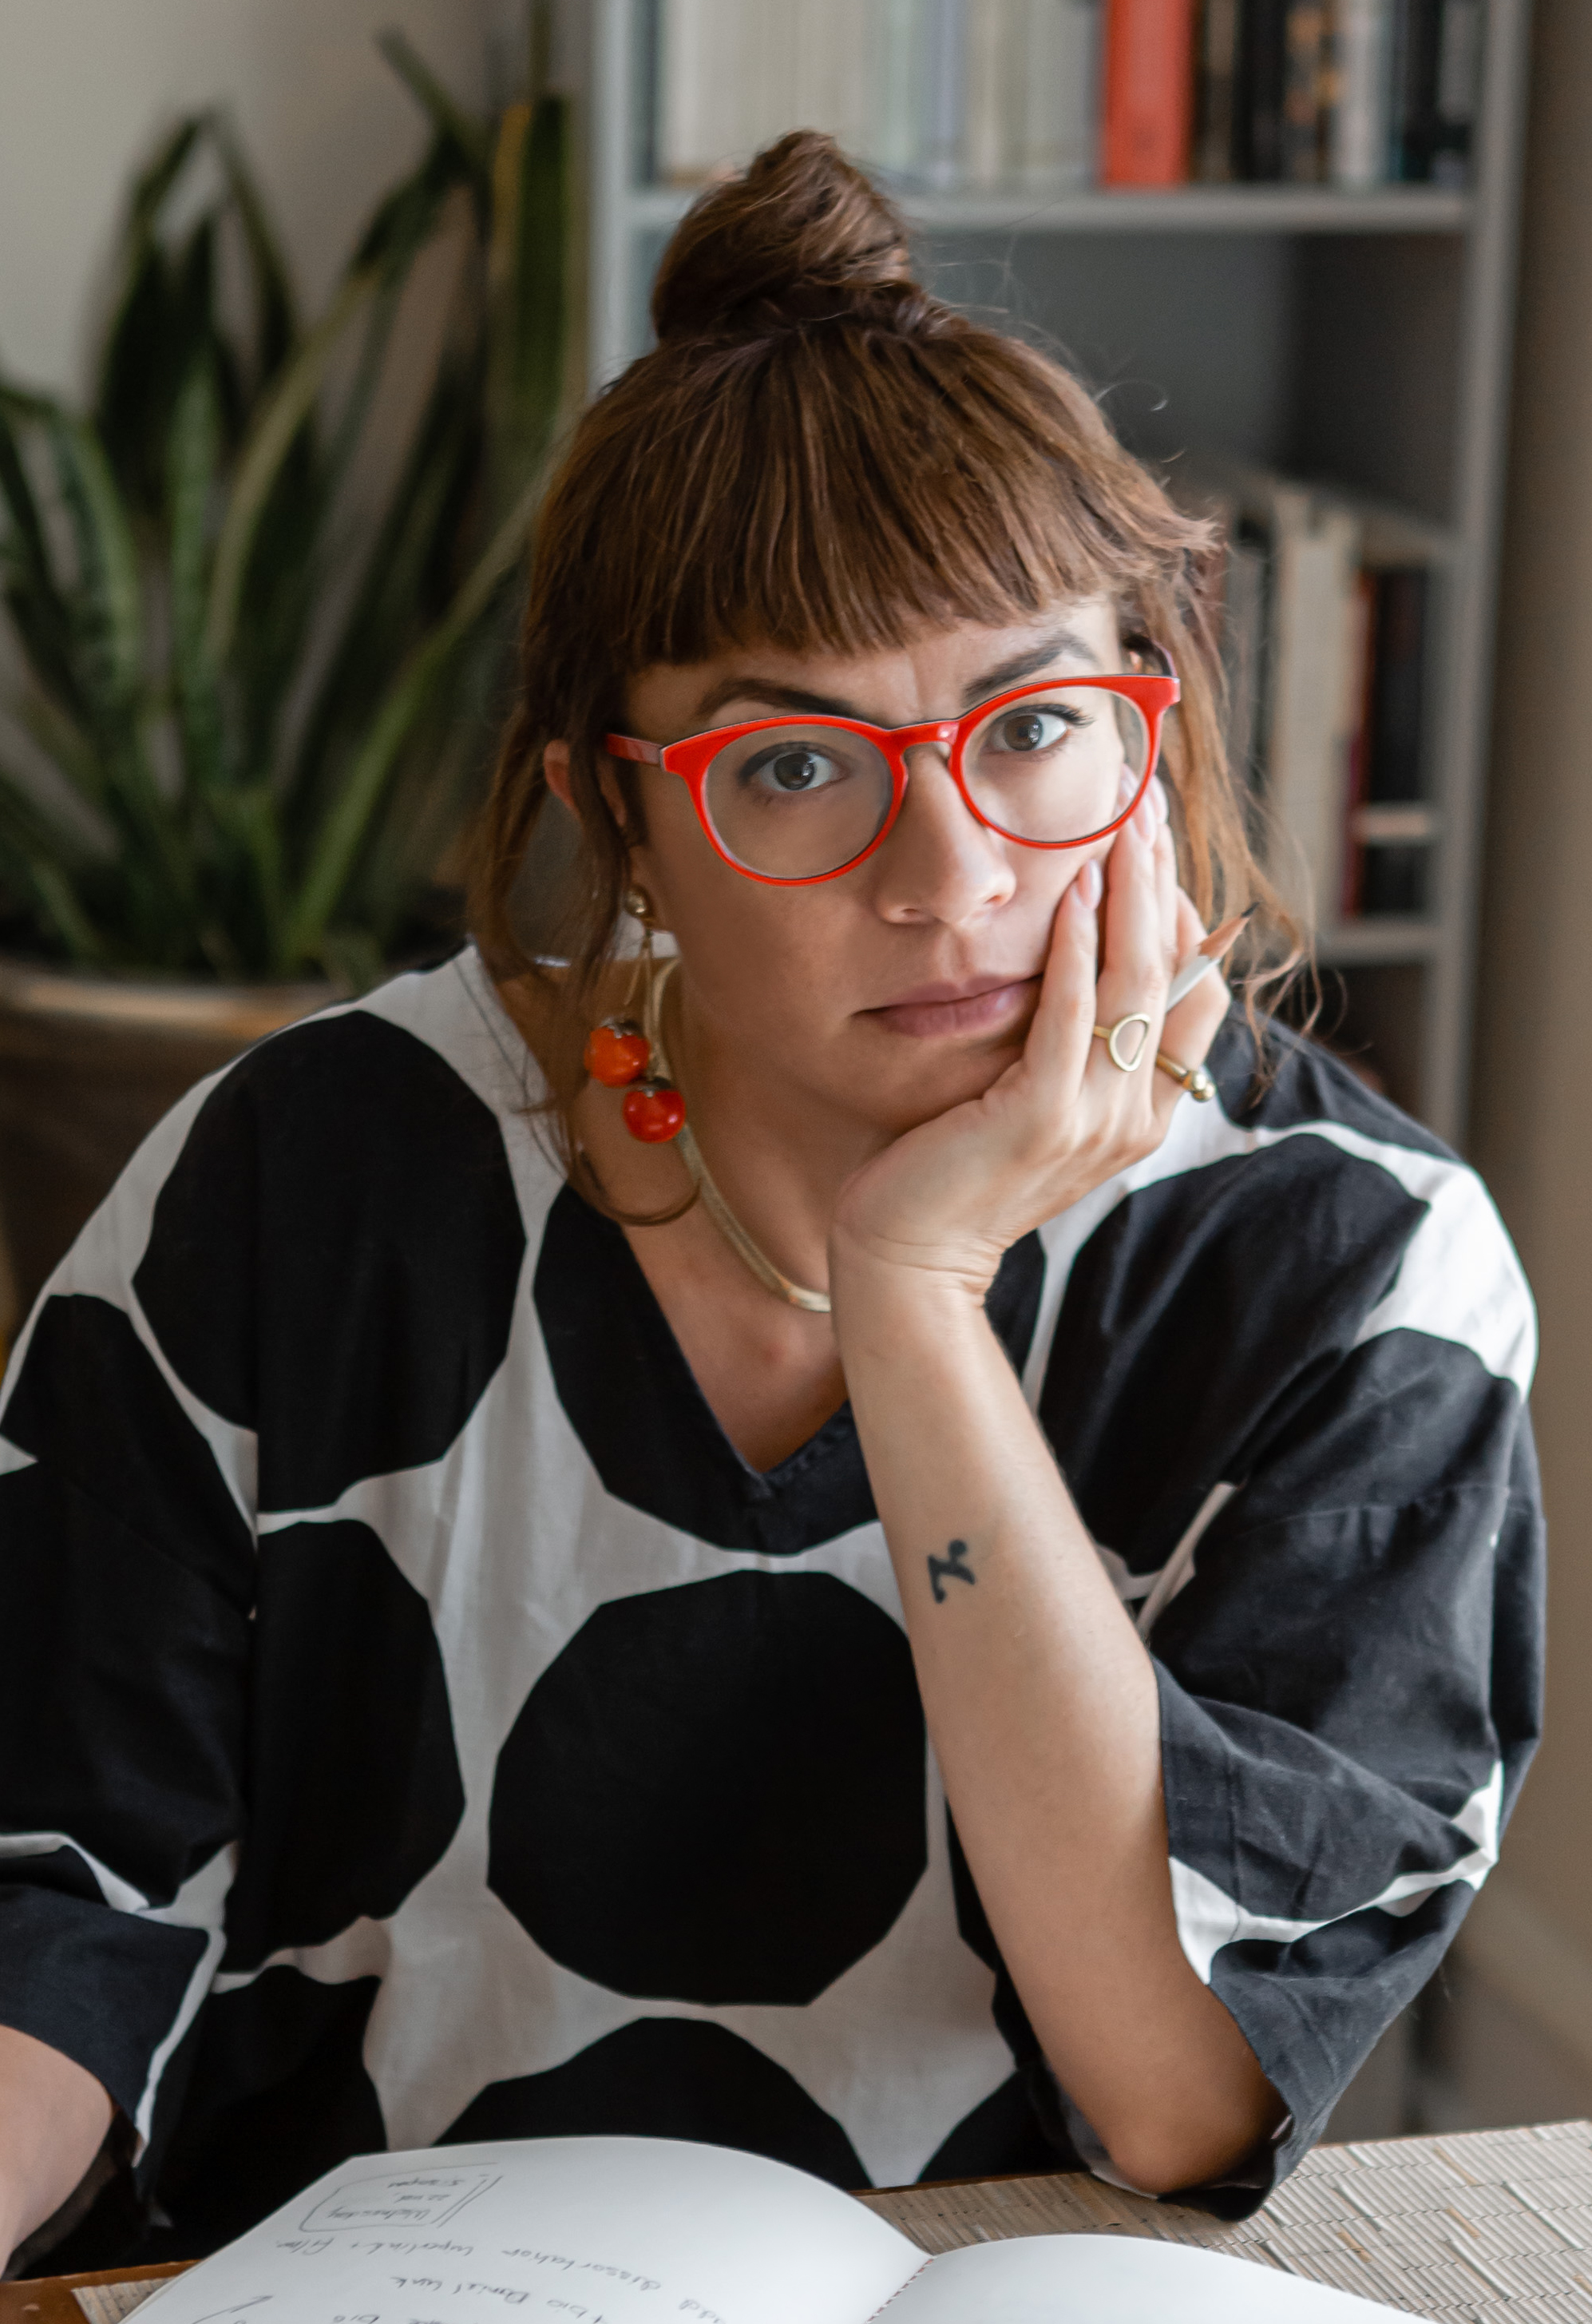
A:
(793, 800)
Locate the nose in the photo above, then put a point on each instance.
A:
(940, 863)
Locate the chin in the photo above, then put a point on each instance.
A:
(934, 1089)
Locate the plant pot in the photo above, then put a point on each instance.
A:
(88, 1066)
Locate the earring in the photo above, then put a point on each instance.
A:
(618, 1052)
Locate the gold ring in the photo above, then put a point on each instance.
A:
(1194, 1078)
(1111, 1035)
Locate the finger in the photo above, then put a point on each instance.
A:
(1191, 927)
(1166, 894)
(1133, 969)
(1166, 872)
(1190, 1027)
(1062, 1028)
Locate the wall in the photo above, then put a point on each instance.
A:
(85, 87)
(1530, 1938)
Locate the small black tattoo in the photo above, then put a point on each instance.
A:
(952, 1567)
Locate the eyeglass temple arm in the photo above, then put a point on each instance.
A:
(626, 746)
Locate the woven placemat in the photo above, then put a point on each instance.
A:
(1481, 2225)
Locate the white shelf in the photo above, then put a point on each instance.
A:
(1175, 209)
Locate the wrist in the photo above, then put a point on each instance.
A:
(866, 1276)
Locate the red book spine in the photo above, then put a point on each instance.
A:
(1149, 92)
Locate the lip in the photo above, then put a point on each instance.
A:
(985, 1004)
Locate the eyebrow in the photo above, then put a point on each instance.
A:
(1018, 666)
(1029, 663)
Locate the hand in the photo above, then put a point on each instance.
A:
(952, 1197)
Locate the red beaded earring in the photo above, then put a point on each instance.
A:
(618, 1052)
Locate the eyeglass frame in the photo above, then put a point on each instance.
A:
(692, 755)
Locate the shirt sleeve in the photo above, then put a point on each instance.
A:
(1287, 1388)
(1349, 1683)
(126, 1580)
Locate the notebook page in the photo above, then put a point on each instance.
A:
(554, 2231)
(1117, 2280)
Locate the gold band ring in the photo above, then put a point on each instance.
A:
(1194, 1078)
(1111, 1035)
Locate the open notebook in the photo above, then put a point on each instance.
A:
(638, 2230)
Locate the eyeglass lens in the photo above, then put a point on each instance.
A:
(794, 801)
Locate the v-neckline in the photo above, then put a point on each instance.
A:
(839, 1428)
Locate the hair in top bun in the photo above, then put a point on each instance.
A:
(801, 237)
(819, 456)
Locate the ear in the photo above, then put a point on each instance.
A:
(556, 767)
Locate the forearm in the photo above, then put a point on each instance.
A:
(53, 2119)
(1042, 1703)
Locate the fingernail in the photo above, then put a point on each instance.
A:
(1146, 821)
(1162, 804)
(1090, 887)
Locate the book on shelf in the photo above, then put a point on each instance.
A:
(1037, 95)
(1305, 92)
(936, 94)
(1149, 92)
(620, 2230)
(1360, 93)
(1327, 622)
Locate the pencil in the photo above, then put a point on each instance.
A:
(1205, 957)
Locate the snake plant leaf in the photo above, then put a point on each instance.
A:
(406, 571)
(451, 122)
(105, 608)
(28, 539)
(59, 900)
(276, 327)
(349, 818)
(249, 827)
(286, 410)
(530, 283)
(39, 857)
(70, 752)
(107, 599)
(159, 176)
(142, 362)
(196, 332)
(403, 226)
(192, 462)
(32, 593)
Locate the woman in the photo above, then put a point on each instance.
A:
(966, 1611)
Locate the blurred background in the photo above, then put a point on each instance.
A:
(295, 295)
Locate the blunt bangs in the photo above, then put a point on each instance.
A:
(835, 487)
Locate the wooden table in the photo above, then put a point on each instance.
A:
(1490, 2227)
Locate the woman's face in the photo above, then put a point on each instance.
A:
(904, 986)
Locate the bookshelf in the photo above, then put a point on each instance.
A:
(1358, 339)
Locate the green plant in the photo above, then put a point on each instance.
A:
(255, 703)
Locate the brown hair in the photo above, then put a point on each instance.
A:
(817, 455)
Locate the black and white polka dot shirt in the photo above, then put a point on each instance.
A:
(420, 1723)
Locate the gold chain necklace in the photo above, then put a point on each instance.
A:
(794, 1295)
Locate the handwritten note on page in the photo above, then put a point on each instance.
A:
(554, 2231)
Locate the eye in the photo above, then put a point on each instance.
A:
(791, 770)
(1035, 727)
